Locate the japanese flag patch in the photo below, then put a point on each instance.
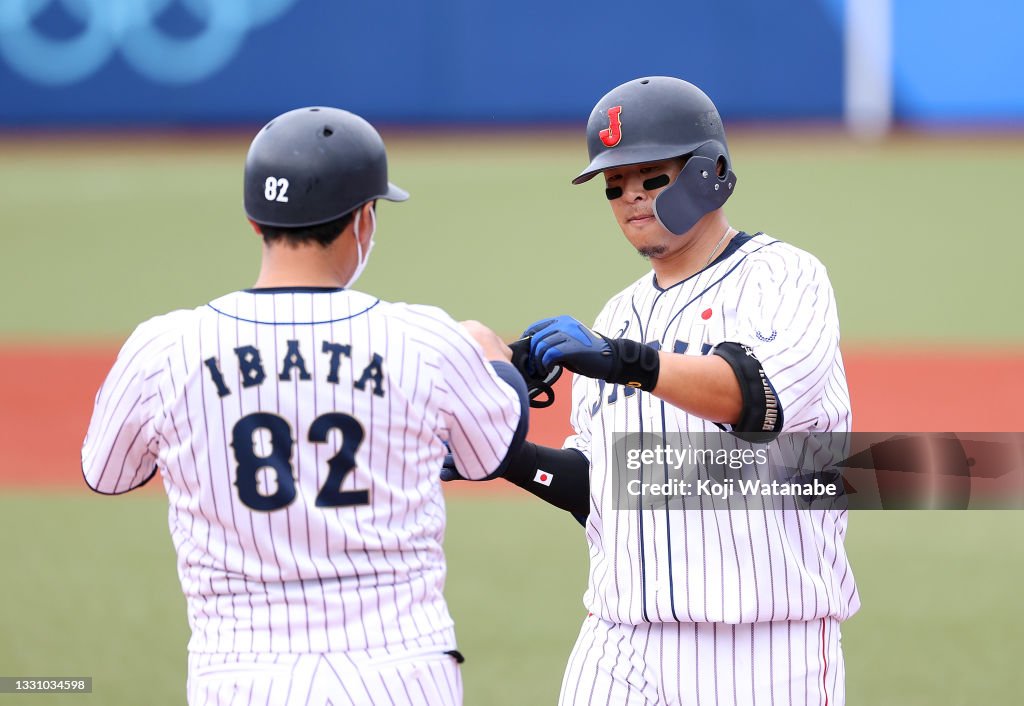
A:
(543, 477)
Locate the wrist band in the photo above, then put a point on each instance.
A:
(635, 364)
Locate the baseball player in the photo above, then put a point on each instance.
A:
(730, 331)
(298, 427)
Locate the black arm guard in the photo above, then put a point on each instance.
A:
(560, 477)
(512, 378)
(761, 419)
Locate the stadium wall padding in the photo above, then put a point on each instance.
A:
(81, 63)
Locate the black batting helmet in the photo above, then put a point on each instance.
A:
(660, 117)
(313, 165)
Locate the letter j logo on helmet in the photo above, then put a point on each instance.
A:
(611, 135)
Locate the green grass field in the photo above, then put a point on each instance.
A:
(919, 238)
(90, 590)
(921, 244)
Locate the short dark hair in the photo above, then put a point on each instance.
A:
(324, 234)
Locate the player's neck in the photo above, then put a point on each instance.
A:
(304, 266)
(705, 242)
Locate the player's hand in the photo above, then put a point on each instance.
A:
(493, 347)
(621, 361)
(565, 341)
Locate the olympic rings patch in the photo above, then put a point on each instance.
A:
(131, 28)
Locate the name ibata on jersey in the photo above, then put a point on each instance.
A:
(252, 371)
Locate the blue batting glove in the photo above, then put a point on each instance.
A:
(565, 341)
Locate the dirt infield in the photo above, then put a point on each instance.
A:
(47, 396)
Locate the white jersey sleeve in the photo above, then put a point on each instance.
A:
(121, 448)
(478, 412)
(788, 317)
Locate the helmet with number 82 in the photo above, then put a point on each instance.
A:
(313, 165)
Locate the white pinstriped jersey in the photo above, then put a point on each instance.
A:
(721, 565)
(299, 434)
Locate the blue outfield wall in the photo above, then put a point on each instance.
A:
(208, 62)
(958, 61)
(226, 61)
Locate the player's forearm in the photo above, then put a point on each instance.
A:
(704, 386)
(560, 477)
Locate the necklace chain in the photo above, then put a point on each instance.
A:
(717, 245)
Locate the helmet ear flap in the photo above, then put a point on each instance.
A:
(704, 185)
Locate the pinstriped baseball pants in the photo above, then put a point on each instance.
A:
(706, 664)
(422, 677)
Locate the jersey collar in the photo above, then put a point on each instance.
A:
(737, 242)
(292, 290)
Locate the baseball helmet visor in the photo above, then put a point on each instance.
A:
(628, 156)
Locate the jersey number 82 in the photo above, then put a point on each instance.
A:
(247, 478)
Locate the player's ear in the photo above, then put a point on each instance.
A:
(255, 227)
(367, 221)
